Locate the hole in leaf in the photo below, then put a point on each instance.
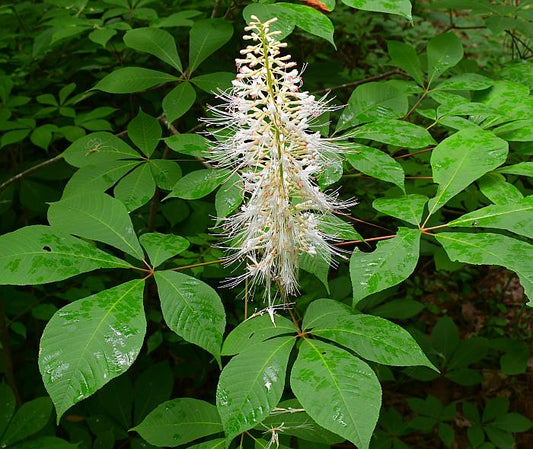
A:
(251, 335)
(324, 353)
(47, 248)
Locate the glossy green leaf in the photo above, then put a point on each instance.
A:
(460, 159)
(191, 144)
(338, 390)
(161, 247)
(317, 265)
(373, 101)
(178, 19)
(133, 79)
(308, 19)
(179, 421)
(510, 99)
(206, 37)
(230, 196)
(136, 188)
(371, 337)
(217, 443)
(98, 148)
(41, 254)
(492, 249)
(516, 131)
(7, 399)
(91, 341)
(145, 132)
(265, 11)
(165, 173)
(390, 263)
(192, 309)
(405, 57)
(178, 101)
(213, 83)
(99, 217)
(399, 7)
(394, 132)
(443, 52)
(497, 190)
(516, 217)
(31, 417)
(521, 169)
(98, 178)
(154, 41)
(251, 384)
(256, 330)
(376, 163)
(199, 183)
(466, 81)
(408, 208)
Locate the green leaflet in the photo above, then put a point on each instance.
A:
(255, 330)
(206, 37)
(159, 43)
(192, 309)
(251, 384)
(41, 254)
(136, 188)
(492, 249)
(91, 341)
(198, 184)
(31, 417)
(389, 264)
(399, 7)
(178, 101)
(179, 421)
(145, 132)
(462, 158)
(133, 79)
(371, 337)
(515, 217)
(96, 216)
(376, 163)
(338, 390)
(408, 208)
(161, 247)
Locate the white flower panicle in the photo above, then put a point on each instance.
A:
(265, 134)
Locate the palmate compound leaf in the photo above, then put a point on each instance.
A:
(515, 217)
(460, 159)
(255, 330)
(41, 254)
(96, 216)
(492, 249)
(251, 384)
(338, 390)
(179, 421)
(91, 341)
(192, 309)
(390, 263)
(371, 337)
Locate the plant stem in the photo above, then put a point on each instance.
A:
(420, 99)
(363, 81)
(29, 171)
(199, 264)
(415, 153)
(373, 239)
(216, 8)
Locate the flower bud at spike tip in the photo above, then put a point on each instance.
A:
(266, 132)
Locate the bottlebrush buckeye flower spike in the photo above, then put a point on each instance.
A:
(265, 131)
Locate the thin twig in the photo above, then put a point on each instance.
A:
(373, 239)
(216, 9)
(245, 298)
(199, 264)
(363, 81)
(424, 95)
(29, 171)
(415, 153)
